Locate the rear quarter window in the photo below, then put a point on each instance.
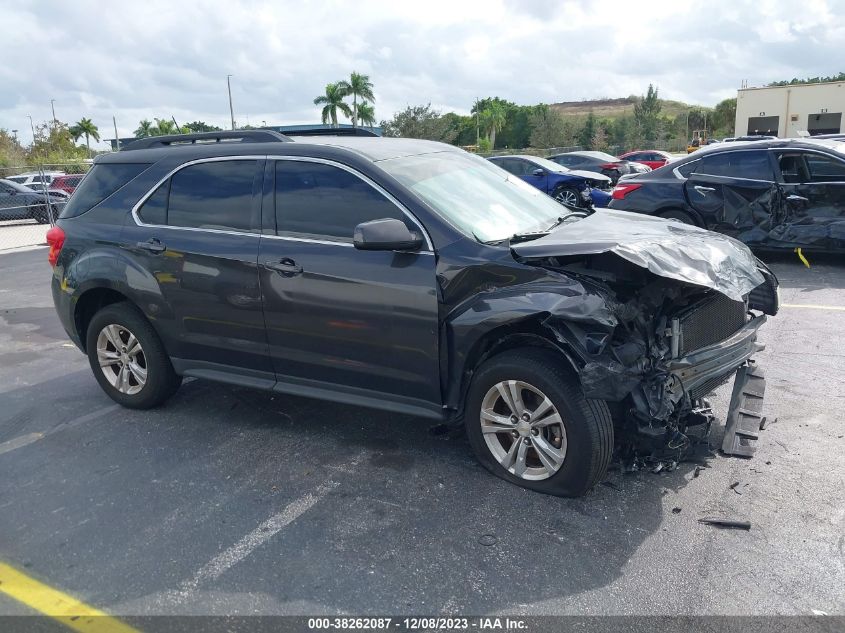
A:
(101, 182)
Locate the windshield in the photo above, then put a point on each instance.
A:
(547, 164)
(475, 196)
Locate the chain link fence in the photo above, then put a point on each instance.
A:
(31, 198)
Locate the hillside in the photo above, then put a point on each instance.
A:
(612, 108)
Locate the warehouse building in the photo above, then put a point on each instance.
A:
(791, 111)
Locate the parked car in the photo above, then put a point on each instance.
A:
(599, 162)
(775, 193)
(36, 178)
(653, 159)
(21, 203)
(572, 188)
(67, 183)
(752, 137)
(409, 276)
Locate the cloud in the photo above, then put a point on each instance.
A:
(164, 58)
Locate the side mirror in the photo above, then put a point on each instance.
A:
(387, 234)
(539, 172)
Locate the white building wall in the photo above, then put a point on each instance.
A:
(793, 105)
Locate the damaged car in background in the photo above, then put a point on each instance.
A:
(770, 194)
(413, 277)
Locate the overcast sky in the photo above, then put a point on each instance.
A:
(138, 60)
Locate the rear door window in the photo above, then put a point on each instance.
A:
(315, 200)
(753, 165)
(214, 195)
(101, 182)
(825, 169)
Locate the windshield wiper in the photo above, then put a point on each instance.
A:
(533, 235)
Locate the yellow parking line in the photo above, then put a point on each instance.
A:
(812, 307)
(55, 604)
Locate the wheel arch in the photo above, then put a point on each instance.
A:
(528, 333)
(695, 215)
(89, 303)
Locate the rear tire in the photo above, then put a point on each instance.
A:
(41, 215)
(128, 358)
(575, 453)
(679, 215)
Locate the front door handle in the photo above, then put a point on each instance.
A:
(796, 199)
(703, 190)
(153, 245)
(285, 267)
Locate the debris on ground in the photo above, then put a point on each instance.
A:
(697, 471)
(736, 524)
(676, 510)
(487, 540)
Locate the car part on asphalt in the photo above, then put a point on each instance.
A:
(745, 416)
(737, 524)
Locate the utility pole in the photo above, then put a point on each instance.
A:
(53, 108)
(231, 109)
(116, 137)
(32, 127)
(477, 128)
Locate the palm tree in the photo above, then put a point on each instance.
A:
(366, 114)
(332, 101)
(163, 127)
(493, 118)
(358, 86)
(145, 129)
(85, 127)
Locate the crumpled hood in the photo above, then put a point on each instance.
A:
(666, 248)
(591, 175)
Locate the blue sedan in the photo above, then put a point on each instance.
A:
(573, 188)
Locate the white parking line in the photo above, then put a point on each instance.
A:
(263, 533)
(810, 306)
(30, 438)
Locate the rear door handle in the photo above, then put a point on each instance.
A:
(285, 267)
(153, 245)
(703, 190)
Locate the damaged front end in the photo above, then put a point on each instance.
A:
(674, 340)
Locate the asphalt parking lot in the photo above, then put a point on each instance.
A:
(240, 502)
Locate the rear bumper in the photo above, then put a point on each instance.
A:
(64, 303)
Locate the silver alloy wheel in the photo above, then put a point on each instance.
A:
(121, 359)
(567, 197)
(523, 430)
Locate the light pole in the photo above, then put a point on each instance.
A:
(231, 109)
(31, 127)
(15, 135)
(53, 108)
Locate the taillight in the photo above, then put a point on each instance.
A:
(620, 191)
(56, 239)
(610, 166)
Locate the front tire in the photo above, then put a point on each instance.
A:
(529, 423)
(128, 358)
(568, 196)
(41, 215)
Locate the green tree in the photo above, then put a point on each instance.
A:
(811, 80)
(724, 116)
(493, 119)
(647, 115)
(366, 114)
(333, 101)
(11, 151)
(145, 129)
(548, 128)
(358, 86)
(164, 127)
(586, 134)
(421, 122)
(85, 127)
(201, 126)
(53, 143)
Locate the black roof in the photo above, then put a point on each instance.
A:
(266, 142)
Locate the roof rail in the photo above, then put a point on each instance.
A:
(330, 131)
(202, 138)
